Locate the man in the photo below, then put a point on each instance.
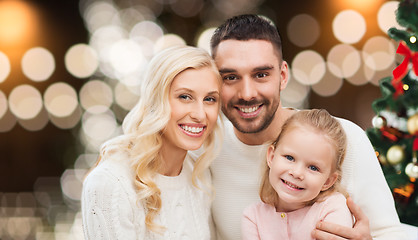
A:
(247, 51)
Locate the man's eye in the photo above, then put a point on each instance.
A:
(261, 75)
(314, 168)
(229, 78)
(288, 157)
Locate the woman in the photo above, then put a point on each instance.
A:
(145, 185)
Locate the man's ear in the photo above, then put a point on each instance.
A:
(270, 155)
(330, 181)
(284, 75)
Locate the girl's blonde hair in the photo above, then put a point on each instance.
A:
(144, 124)
(322, 122)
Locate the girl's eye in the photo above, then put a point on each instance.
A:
(314, 168)
(288, 157)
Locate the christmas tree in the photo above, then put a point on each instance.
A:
(394, 134)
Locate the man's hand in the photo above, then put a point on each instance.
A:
(331, 231)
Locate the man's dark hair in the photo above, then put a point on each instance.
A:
(247, 27)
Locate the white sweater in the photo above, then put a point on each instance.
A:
(110, 208)
(236, 176)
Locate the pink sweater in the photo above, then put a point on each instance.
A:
(261, 221)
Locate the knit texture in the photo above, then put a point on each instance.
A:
(236, 176)
(110, 208)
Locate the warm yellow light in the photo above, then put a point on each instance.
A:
(413, 39)
(17, 21)
(405, 87)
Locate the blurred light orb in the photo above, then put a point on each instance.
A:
(99, 127)
(343, 60)
(99, 14)
(147, 29)
(96, 96)
(67, 122)
(295, 92)
(386, 17)
(328, 86)
(25, 102)
(362, 76)
(4, 67)
(124, 97)
(204, 39)
(303, 30)
(168, 40)
(38, 64)
(7, 121)
(3, 104)
(60, 99)
(308, 67)
(103, 39)
(378, 53)
(81, 60)
(187, 8)
(35, 124)
(349, 26)
(126, 57)
(413, 39)
(71, 186)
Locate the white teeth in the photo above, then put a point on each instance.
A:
(192, 129)
(248, 110)
(291, 185)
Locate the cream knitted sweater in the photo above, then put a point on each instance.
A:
(110, 208)
(236, 175)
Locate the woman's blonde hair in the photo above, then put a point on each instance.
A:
(144, 124)
(322, 122)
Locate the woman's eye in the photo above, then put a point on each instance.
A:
(314, 168)
(210, 99)
(288, 157)
(184, 96)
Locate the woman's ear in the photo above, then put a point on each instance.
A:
(270, 155)
(330, 181)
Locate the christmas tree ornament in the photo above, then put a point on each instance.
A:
(395, 154)
(382, 159)
(379, 121)
(412, 124)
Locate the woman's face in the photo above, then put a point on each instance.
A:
(194, 101)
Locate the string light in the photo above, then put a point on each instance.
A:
(413, 39)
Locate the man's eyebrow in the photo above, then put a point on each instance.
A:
(264, 68)
(226, 70)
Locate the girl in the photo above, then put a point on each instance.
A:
(300, 185)
(145, 185)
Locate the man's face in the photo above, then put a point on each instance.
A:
(252, 80)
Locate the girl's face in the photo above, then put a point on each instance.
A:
(194, 101)
(301, 167)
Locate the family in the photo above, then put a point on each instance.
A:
(209, 152)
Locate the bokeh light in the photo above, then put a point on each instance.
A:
(295, 93)
(67, 122)
(60, 99)
(349, 26)
(38, 64)
(71, 185)
(36, 123)
(3, 104)
(25, 102)
(343, 60)
(125, 97)
(386, 17)
(98, 14)
(4, 67)
(308, 67)
(96, 96)
(328, 86)
(168, 40)
(81, 60)
(187, 8)
(7, 121)
(204, 39)
(303, 30)
(378, 53)
(126, 57)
